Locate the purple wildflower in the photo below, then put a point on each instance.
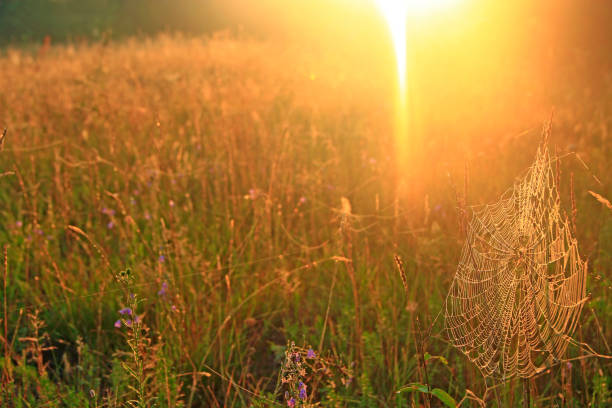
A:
(108, 211)
(296, 357)
(125, 311)
(162, 259)
(137, 319)
(128, 323)
(311, 353)
(303, 393)
(163, 290)
(19, 224)
(174, 308)
(118, 324)
(291, 402)
(110, 225)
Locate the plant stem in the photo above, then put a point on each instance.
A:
(526, 393)
(421, 359)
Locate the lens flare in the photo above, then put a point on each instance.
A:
(396, 13)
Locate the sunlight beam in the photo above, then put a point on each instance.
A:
(396, 13)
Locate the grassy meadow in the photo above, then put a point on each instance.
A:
(208, 222)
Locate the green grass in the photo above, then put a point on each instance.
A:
(218, 167)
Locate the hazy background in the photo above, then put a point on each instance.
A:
(479, 55)
(482, 76)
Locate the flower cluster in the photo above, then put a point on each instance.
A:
(130, 318)
(303, 366)
(294, 372)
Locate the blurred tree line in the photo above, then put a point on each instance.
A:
(27, 21)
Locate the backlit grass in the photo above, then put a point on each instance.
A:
(218, 172)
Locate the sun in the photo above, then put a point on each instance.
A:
(396, 13)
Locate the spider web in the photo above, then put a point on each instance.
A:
(520, 284)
